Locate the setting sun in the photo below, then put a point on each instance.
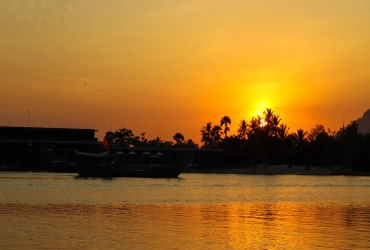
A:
(263, 122)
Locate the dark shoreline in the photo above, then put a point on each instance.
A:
(278, 170)
(258, 170)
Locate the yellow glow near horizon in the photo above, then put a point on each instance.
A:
(262, 97)
(260, 108)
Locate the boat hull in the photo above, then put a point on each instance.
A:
(173, 172)
(107, 166)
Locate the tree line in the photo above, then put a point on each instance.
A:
(266, 140)
(125, 138)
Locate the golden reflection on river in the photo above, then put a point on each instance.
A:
(182, 226)
(45, 223)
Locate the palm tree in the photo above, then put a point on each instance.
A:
(283, 131)
(216, 133)
(268, 113)
(224, 122)
(206, 132)
(275, 121)
(243, 130)
(255, 125)
(300, 137)
(272, 122)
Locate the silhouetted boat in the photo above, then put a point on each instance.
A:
(129, 165)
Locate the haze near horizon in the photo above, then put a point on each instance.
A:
(163, 67)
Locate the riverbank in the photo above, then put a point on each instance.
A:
(259, 169)
(278, 170)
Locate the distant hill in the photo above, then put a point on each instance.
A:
(364, 123)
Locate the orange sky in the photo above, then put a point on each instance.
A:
(166, 66)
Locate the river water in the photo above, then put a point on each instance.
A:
(195, 211)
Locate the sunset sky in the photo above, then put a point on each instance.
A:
(167, 66)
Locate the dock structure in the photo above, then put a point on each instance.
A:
(33, 148)
(37, 148)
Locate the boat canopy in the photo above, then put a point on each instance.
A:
(92, 155)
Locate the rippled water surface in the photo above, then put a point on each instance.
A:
(195, 211)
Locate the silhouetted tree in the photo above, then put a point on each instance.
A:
(216, 135)
(224, 122)
(155, 143)
(322, 146)
(242, 130)
(124, 137)
(299, 137)
(179, 138)
(283, 131)
(211, 136)
(143, 139)
(300, 147)
(206, 133)
(191, 144)
(264, 143)
(110, 136)
(272, 121)
(315, 132)
(255, 126)
(167, 144)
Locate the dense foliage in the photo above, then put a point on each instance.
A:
(265, 140)
(125, 138)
